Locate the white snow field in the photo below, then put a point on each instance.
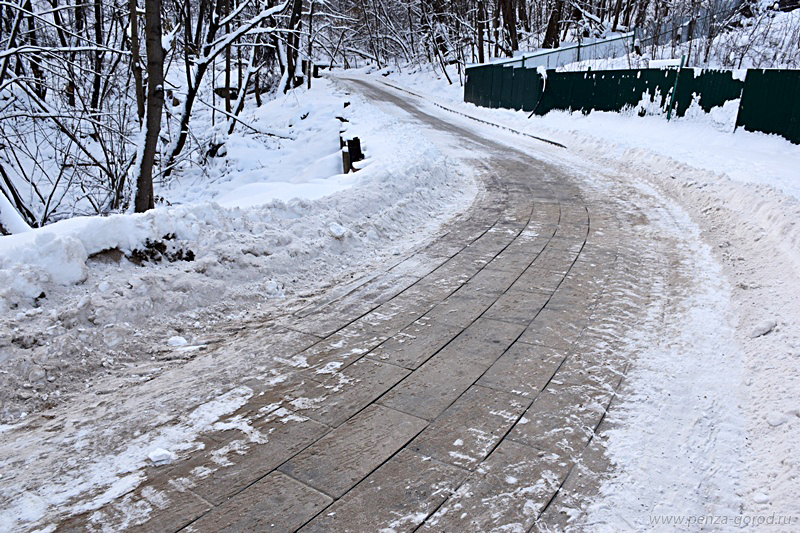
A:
(707, 424)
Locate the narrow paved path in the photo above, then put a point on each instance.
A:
(458, 390)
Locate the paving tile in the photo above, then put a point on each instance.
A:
(555, 328)
(536, 279)
(581, 486)
(329, 318)
(562, 418)
(485, 340)
(500, 502)
(524, 369)
(415, 344)
(418, 265)
(225, 470)
(555, 261)
(593, 366)
(340, 395)
(465, 433)
(159, 503)
(566, 299)
(436, 384)
(398, 496)
(336, 462)
(345, 346)
(514, 261)
(489, 282)
(493, 241)
(460, 309)
(275, 503)
(391, 317)
(518, 306)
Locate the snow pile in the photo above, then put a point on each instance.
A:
(100, 294)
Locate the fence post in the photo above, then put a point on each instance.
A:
(675, 88)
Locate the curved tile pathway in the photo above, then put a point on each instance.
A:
(454, 391)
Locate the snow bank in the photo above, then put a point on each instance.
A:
(267, 221)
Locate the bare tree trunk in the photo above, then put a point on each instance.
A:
(155, 103)
(481, 28)
(617, 9)
(227, 62)
(98, 54)
(292, 40)
(551, 37)
(136, 64)
(522, 15)
(35, 61)
(310, 69)
(626, 18)
(510, 25)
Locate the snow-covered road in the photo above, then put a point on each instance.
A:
(662, 286)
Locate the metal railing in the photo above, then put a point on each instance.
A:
(573, 52)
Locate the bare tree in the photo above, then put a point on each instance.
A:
(155, 104)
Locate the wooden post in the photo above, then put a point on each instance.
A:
(346, 161)
(354, 149)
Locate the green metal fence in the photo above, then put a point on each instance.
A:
(770, 99)
(771, 103)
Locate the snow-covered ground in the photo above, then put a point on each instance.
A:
(716, 369)
(273, 219)
(709, 410)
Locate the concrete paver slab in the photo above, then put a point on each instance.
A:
(221, 472)
(337, 396)
(336, 462)
(398, 496)
(469, 429)
(275, 503)
(415, 344)
(524, 369)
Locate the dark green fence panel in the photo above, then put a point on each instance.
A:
(606, 87)
(507, 87)
(493, 83)
(470, 81)
(771, 103)
(557, 92)
(770, 99)
(522, 84)
(659, 84)
(712, 87)
(632, 87)
(483, 86)
(533, 84)
(717, 87)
